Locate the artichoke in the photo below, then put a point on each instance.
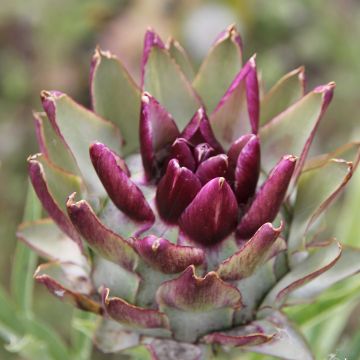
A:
(180, 213)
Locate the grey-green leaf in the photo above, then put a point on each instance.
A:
(219, 68)
(116, 97)
(164, 80)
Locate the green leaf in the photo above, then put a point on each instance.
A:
(180, 56)
(7, 334)
(123, 283)
(51, 340)
(287, 343)
(207, 301)
(349, 152)
(164, 349)
(323, 321)
(60, 183)
(237, 112)
(164, 80)
(8, 316)
(38, 341)
(68, 282)
(151, 280)
(53, 186)
(325, 335)
(317, 188)
(317, 262)
(24, 262)
(82, 333)
(244, 262)
(85, 324)
(138, 353)
(332, 312)
(44, 237)
(80, 128)
(219, 69)
(346, 266)
(116, 97)
(292, 131)
(52, 146)
(29, 348)
(289, 89)
(116, 220)
(111, 337)
(348, 229)
(253, 289)
(353, 348)
(17, 331)
(331, 301)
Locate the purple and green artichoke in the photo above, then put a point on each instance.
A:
(185, 211)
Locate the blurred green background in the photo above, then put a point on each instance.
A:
(48, 44)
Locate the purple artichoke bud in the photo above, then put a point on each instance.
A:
(186, 251)
(215, 166)
(175, 191)
(181, 150)
(235, 149)
(114, 175)
(247, 170)
(157, 132)
(202, 152)
(199, 131)
(267, 201)
(252, 95)
(212, 215)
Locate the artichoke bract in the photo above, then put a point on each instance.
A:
(185, 212)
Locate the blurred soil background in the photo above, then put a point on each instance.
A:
(48, 44)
